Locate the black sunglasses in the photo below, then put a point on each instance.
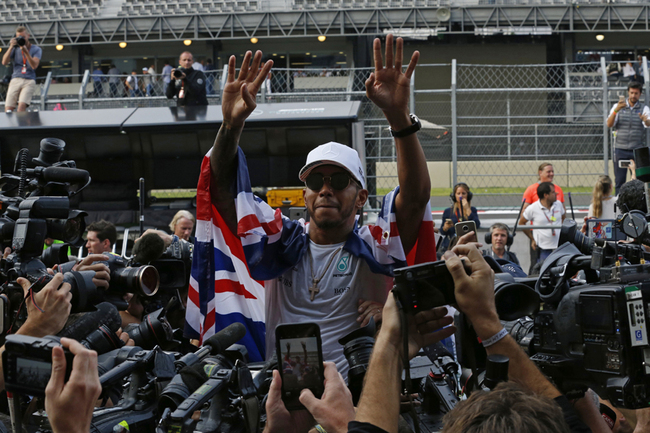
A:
(339, 181)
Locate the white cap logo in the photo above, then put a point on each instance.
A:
(330, 150)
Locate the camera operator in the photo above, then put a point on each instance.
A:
(182, 225)
(187, 84)
(69, 405)
(25, 58)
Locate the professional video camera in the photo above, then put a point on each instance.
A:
(592, 331)
(36, 206)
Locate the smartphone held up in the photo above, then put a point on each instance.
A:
(300, 358)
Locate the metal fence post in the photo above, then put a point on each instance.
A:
(605, 115)
(224, 77)
(646, 76)
(45, 89)
(82, 89)
(509, 128)
(454, 126)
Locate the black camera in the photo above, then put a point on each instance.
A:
(178, 72)
(27, 363)
(592, 332)
(21, 41)
(423, 287)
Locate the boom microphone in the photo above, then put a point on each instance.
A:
(214, 345)
(148, 248)
(65, 174)
(225, 338)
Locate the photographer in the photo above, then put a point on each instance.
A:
(69, 405)
(25, 58)
(187, 84)
(47, 310)
(101, 237)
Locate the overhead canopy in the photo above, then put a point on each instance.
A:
(127, 119)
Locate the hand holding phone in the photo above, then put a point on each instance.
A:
(300, 358)
(624, 163)
(464, 227)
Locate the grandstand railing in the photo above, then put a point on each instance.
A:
(487, 125)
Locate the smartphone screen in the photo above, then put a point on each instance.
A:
(604, 229)
(624, 163)
(300, 360)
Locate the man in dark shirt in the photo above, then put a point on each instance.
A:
(499, 234)
(187, 84)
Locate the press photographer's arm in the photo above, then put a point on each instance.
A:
(69, 405)
(47, 310)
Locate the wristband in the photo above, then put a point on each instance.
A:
(495, 338)
(319, 428)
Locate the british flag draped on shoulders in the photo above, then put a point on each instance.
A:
(227, 272)
(329, 271)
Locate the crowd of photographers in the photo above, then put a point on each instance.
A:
(335, 190)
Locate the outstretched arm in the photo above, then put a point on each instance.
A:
(388, 87)
(238, 102)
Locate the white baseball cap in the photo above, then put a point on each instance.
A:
(334, 153)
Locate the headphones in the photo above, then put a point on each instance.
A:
(488, 235)
(464, 185)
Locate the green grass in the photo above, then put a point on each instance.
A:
(441, 192)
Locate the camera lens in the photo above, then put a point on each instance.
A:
(21, 41)
(178, 73)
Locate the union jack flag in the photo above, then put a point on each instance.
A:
(227, 270)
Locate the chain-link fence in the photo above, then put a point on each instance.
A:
(487, 125)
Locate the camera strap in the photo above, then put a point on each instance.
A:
(407, 366)
(24, 69)
(181, 93)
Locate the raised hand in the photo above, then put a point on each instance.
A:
(388, 87)
(238, 100)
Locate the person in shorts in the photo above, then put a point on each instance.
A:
(25, 58)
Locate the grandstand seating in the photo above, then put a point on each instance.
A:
(33, 10)
(176, 7)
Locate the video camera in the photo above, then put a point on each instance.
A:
(593, 329)
(36, 206)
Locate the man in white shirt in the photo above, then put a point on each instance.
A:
(545, 211)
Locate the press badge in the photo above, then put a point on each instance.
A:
(24, 70)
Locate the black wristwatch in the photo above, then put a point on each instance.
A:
(415, 127)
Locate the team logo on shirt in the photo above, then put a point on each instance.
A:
(342, 265)
(199, 81)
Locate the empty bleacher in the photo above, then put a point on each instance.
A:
(34, 10)
(180, 7)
